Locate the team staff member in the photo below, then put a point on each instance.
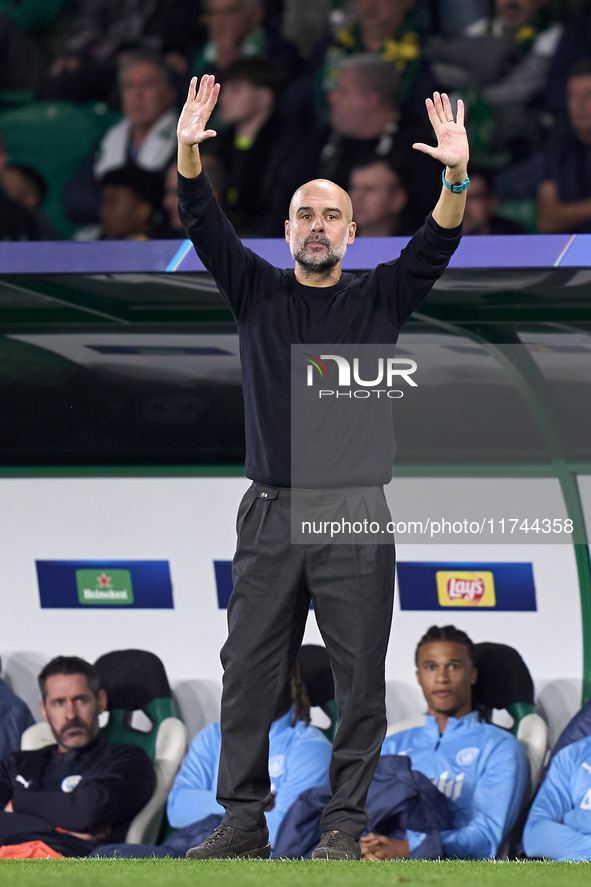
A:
(82, 791)
(481, 768)
(351, 585)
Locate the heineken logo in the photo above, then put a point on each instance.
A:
(104, 587)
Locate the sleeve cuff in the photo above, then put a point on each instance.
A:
(192, 186)
(450, 233)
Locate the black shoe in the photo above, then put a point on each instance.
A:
(227, 842)
(337, 845)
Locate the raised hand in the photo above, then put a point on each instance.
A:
(452, 142)
(197, 111)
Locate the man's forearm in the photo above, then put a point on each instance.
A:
(189, 161)
(449, 211)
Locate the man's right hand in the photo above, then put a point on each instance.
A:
(197, 111)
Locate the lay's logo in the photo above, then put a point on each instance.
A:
(459, 588)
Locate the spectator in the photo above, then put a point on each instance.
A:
(305, 23)
(573, 45)
(365, 124)
(75, 794)
(481, 205)
(504, 59)
(557, 825)
(131, 208)
(84, 68)
(481, 769)
(379, 198)
(15, 718)
(299, 756)
(146, 137)
(131, 205)
(255, 151)
(235, 30)
(564, 195)
(390, 29)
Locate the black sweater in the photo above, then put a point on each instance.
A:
(274, 312)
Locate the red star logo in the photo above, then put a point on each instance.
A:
(103, 580)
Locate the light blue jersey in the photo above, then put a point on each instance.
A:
(481, 769)
(298, 759)
(559, 822)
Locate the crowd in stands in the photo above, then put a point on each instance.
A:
(330, 88)
(449, 784)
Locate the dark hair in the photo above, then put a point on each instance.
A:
(580, 67)
(258, 72)
(148, 186)
(69, 665)
(299, 696)
(445, 633)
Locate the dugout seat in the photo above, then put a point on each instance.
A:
(140, 713)
(504, 682)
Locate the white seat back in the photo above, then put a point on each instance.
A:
(37, 736)
(532, 733)
(171, 744)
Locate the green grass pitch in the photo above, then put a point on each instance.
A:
(288, 873)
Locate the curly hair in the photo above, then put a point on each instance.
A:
(445, 633)
(299, 696)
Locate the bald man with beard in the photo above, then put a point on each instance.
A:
(351, 586)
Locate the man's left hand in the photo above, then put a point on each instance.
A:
(452, 142)
(379, 847)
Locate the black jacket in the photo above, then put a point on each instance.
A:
(95, 789)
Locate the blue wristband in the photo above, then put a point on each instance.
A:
(457, 189)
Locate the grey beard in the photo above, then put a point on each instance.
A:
(316, 264)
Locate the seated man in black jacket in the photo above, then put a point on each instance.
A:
(82, 791)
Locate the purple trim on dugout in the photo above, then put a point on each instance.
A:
(500, 251)
(71, 257)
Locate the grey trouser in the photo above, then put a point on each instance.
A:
(352, 589)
